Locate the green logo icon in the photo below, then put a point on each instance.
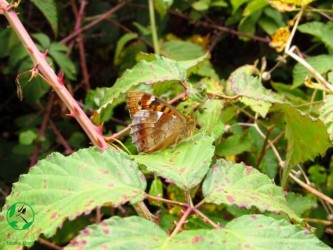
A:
(20, 216)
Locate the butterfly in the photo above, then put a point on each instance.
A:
(155, 123)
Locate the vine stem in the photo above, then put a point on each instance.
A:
(311, 189)
(39, 59)
(170, 202)
(182, 221)
(153, 26)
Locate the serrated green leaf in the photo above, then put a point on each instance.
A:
(120, 233)
(60, 187)
(18, 54)
(160, 69)
(326, 114)
(246, 232)
(209, 118)
(181, 50)
(185, 165)
(244, 186)
(42, 39)
(322, 31)
(322, 64)
(64, 62)
(49, 10)
(300, 204)
(307, 137)
(250, 88)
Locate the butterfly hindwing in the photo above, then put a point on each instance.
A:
(155, 123)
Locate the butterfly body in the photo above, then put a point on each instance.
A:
(155, 123)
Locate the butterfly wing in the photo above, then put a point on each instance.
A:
(155, 123)
(153, 130)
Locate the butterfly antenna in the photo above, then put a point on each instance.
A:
(121, 144)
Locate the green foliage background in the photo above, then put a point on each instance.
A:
(241, 117)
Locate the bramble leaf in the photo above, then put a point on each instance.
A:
(60, 187)
(307, 137)
(244, 186)
(246, 232)
(159, 69)
(185, 165)
(326, 114)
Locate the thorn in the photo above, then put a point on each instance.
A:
(44, 54)
(61, 79)
(100, 145)
(77, 110)
(71, 114)
(99, 128)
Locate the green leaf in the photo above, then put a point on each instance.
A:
(162, 6)
(322, 64)
(201, 5)
(60, 187)
(160, 69)
(236, 4)
(185, 165)
(156, 189)
(234, 145)
(121, 44)
(209, 118)
(33, 90)
(248, 24)
(307, 137)
(246, 232)
(252, 91)
(300, 204)
(322, 31)
(49, 10)
(244, 186)
(255, 6)
(27, 137)
(317, 174)
(181, 50)
(326, 114)
(42, 39)
(64, 62)
(120, 233)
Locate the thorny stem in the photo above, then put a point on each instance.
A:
(39, 60)
(206, 219)
(170, 202)
(182, 221)
(56, 83)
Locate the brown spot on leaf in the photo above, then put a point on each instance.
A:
(230, 199)
(197, 239)
(53, 216)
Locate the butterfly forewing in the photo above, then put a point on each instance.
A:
(155, 123)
